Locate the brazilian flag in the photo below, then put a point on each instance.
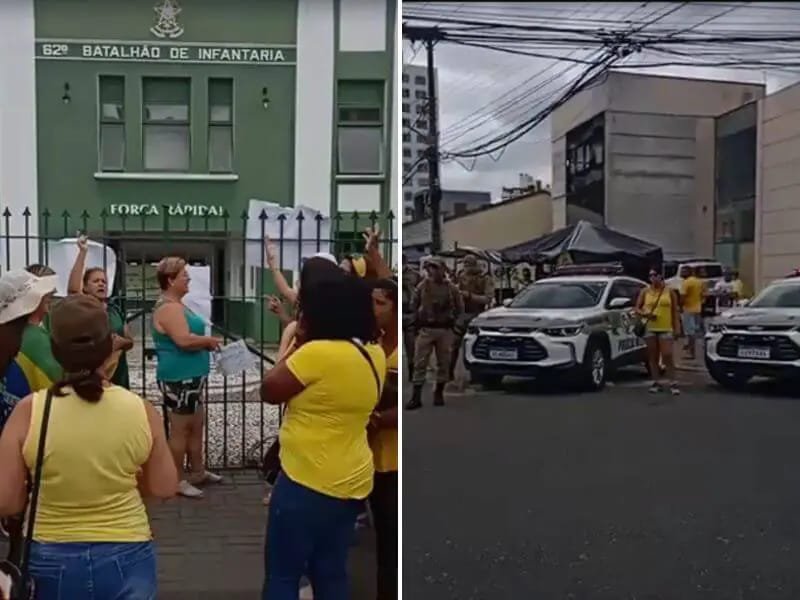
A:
(34, 368)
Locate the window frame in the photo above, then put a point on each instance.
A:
(230, 124)
(103, 120)
(379, 125)
(145, 122)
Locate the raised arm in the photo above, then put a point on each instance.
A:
(75, 282)
(375, 261)
(283, 287)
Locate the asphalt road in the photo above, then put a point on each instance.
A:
(610, 496)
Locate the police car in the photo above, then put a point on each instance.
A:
(759, 339)
(578, 322)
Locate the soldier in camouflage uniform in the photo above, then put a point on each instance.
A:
(477, 292)
(411, 279)
(437, 305)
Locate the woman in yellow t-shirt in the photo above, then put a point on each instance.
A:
(331, 381)
(658, 305)
(383, 439)
(105, 448)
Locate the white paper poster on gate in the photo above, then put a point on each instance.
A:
(293, 231)
(198, 298)
(61, 255)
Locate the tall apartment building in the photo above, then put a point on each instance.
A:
(415, 129)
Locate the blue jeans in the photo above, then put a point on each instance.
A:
(94, 571)
(308, 533)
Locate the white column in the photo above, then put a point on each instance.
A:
(18, 188)
(313, 160)
(397, 137)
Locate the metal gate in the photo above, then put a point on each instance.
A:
(238, 424)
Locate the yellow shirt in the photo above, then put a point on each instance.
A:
(738, 287)
(93, 452)
(662, 312)
(384, 441)
(324, 433)
(692, 292)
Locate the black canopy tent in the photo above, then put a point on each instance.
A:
(585, 243)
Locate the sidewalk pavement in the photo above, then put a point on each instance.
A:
(213, 549)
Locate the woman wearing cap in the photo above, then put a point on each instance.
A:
(106, 449)
(94, 282)
(182, 348)
(330, 382)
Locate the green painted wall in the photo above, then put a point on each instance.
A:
(265, 21)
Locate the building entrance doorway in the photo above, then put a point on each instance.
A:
(138, 259)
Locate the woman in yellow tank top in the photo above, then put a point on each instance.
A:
(105, 449)
(658, 306)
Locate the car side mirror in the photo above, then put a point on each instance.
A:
(620, 303)
(507, 302)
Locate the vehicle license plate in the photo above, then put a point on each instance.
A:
(503, 354)
(752, 352)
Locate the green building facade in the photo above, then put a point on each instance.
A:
(158, 121)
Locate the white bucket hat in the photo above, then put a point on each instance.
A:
(21, 293)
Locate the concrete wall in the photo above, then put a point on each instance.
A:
(650, 172)
(778, 186)
(501, 225)
(704, 186)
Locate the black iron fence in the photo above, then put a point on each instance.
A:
(233, 250)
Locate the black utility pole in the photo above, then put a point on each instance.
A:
(429, 36)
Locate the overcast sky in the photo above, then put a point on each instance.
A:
(470, 79)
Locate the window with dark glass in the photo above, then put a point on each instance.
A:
(112, 123)
(220, 125)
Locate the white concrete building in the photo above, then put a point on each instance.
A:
(414, 108)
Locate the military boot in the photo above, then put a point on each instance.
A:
(438, 395)
(416, 398)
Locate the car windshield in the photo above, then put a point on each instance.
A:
(782, 295)
(560, 294)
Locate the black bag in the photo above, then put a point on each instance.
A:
(640, 329)
(15, 577)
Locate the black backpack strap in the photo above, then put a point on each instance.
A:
(36, 484)
(366, 355)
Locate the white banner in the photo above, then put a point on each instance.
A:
(293, 250)
(198, 299)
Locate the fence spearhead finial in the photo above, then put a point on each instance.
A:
(26, 212)
(7, 213)
(263, 215)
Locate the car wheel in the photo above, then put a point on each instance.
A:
(594, 369)
(728, 380)
(490, 382)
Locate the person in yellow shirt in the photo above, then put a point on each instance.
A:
(692, 295)
(331, 381)
(383, 440)
(658, 306)
(106, 449)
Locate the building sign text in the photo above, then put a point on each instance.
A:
(164, 52)
(154, 210)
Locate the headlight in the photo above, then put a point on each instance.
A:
(716, 327)
(472, 330)
(570, 331)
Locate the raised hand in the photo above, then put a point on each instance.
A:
(83, 242)
(272, 253)
(372, 236)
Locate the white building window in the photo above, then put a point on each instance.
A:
(166, 124)
(360, 128)
(220, 125)
(112, 123)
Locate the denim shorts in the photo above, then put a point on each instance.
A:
(658, 335)
(70, 571)
(692, 324)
